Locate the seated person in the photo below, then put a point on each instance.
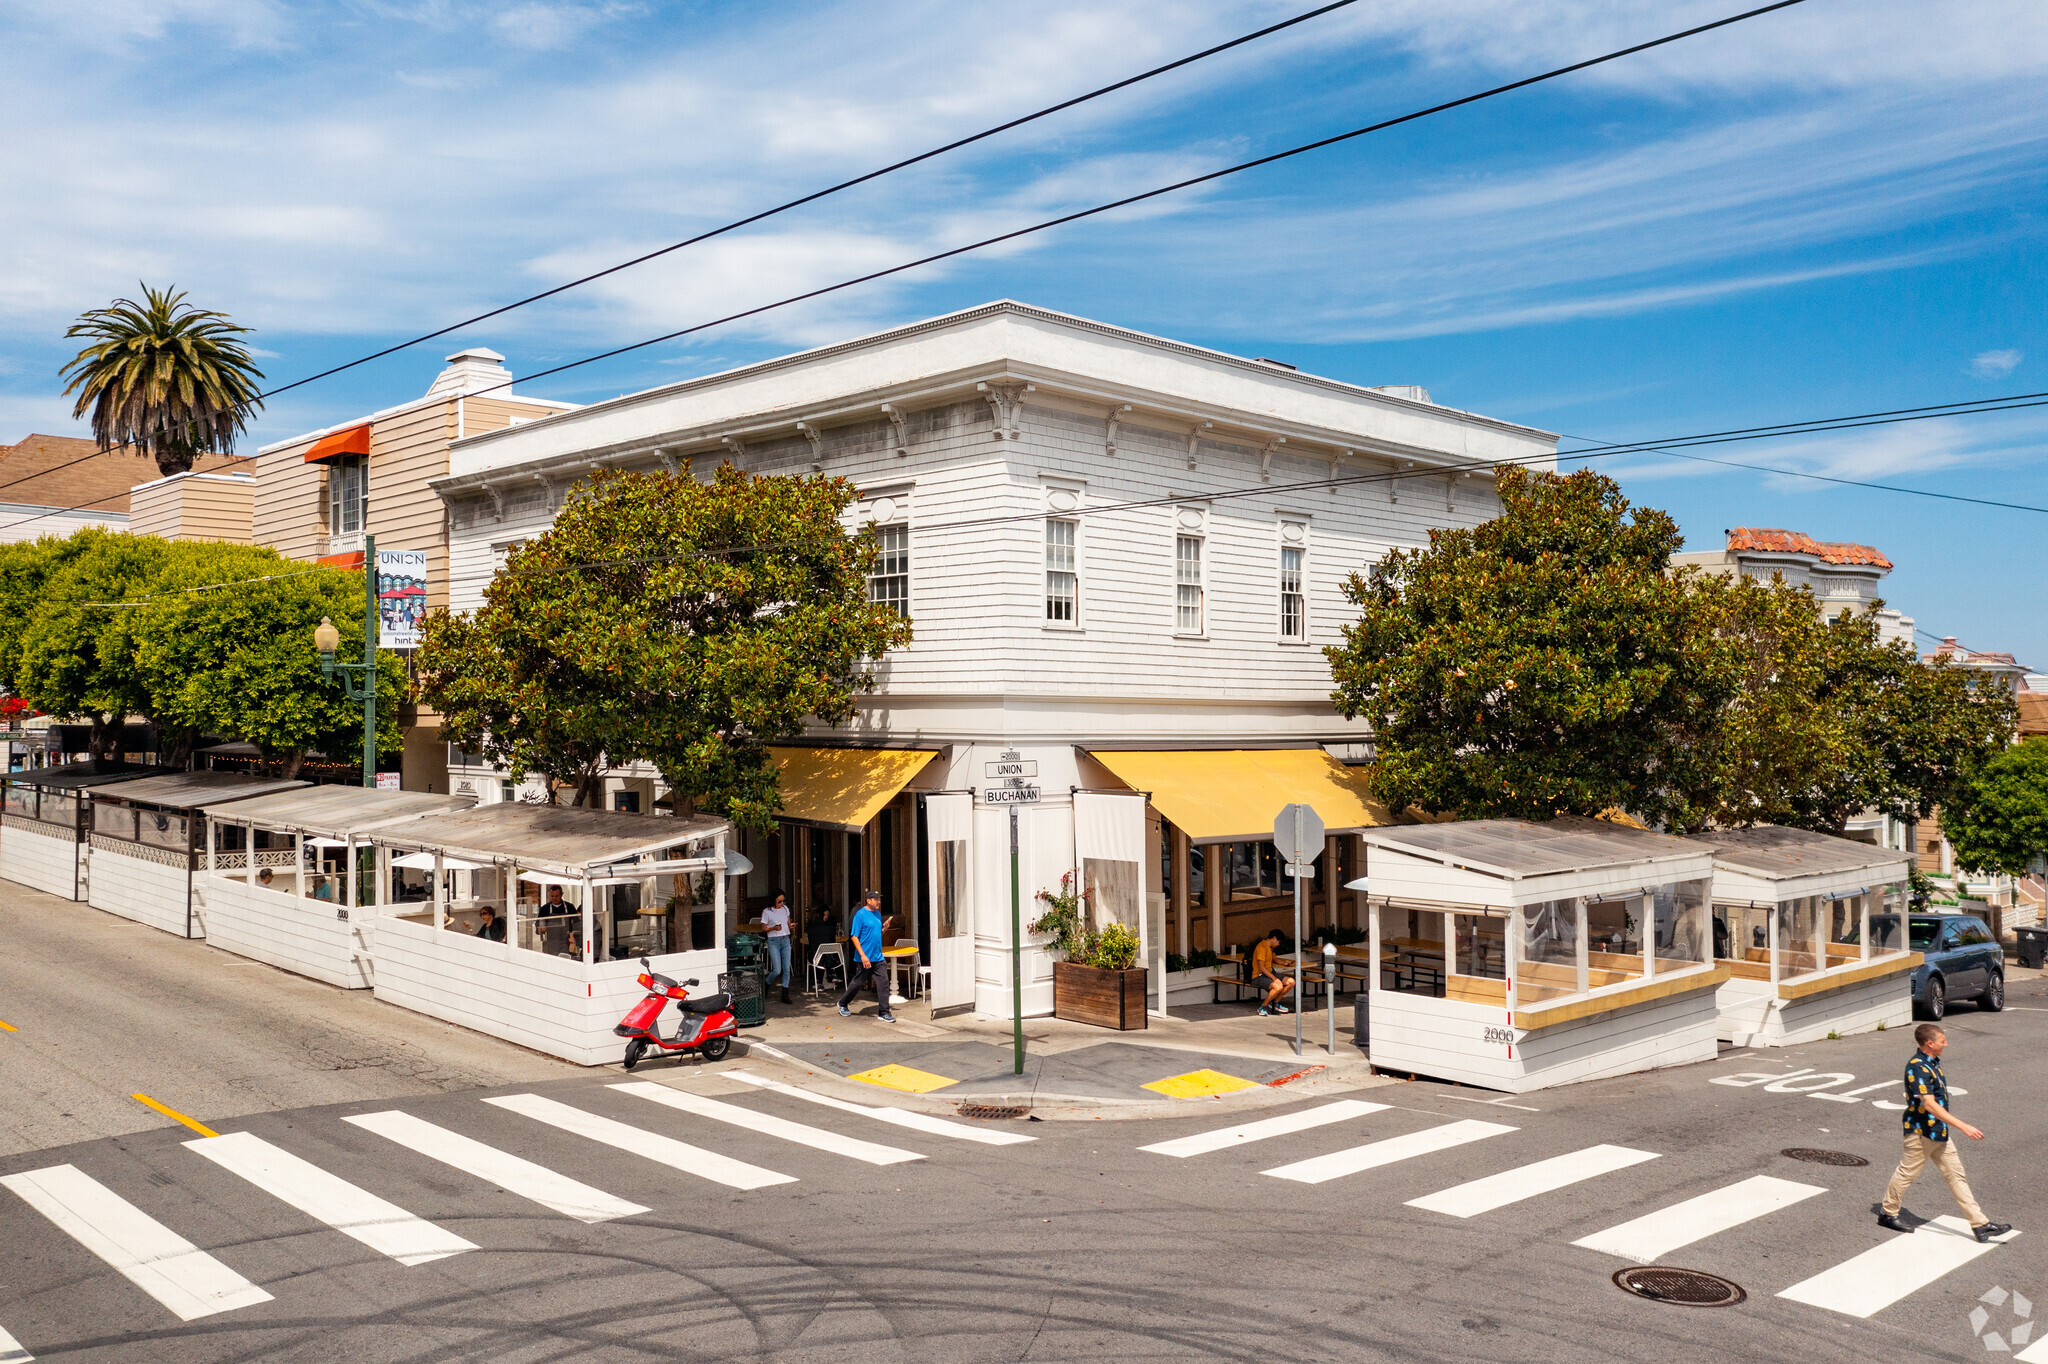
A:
(489, 925)
(323, 889)
(264, 878)
(1266, 974)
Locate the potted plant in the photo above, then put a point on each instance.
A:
(1098, 979)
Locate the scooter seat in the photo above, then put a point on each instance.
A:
(709, 1004)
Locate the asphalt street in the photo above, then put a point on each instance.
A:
(569, 1218)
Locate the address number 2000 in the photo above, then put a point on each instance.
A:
(1504, 1036)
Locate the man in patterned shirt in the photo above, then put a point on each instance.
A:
(1926, 1122)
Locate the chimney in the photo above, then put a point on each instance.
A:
(470, 370)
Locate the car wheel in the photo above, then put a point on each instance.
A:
(1934, 1001)
(1993, 998)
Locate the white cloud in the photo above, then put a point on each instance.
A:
(1903, 453)
(1995, 364)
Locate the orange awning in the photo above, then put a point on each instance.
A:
(354, 441)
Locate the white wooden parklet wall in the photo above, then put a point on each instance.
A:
(152, 886)
(40, 856)
(1753, 1016)
(318, 938)
(1469, 1043)
(555, 1005)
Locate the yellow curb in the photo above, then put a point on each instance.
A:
(1199, 1084)
(906, 1078)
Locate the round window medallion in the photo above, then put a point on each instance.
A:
(882, 508)
(1291, 533)
(1190, 518)
(1062, 500)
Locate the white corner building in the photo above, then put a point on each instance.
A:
(1118, 552)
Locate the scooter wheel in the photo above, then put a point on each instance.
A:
(635, 1049)
(715, 1049)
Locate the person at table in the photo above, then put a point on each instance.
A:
(264, 878)
(323, 889)
(1267, 974)
(775, 919)
(489, 925)
(869, 967)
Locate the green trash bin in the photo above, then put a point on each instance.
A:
(746, 979)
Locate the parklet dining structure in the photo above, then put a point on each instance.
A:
(48, 819)
(149, 841)
(292, 880)
(1792, 924)
(1516, 955)
(582, 895)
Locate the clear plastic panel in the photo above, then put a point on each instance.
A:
(1680, 914)
(1799, 946)
(1481, 946)
(1614, 939)
(1549, 965)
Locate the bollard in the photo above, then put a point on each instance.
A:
(1330, 990)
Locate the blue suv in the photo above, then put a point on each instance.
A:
(1963, 960)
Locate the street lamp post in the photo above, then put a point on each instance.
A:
(358, 680)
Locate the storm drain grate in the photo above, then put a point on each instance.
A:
(1813, 1155)
(989, 1111)
(1680, 1287)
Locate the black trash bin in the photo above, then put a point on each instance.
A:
(1358, 1018)
(2033, 947)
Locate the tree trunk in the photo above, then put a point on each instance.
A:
(294, 760)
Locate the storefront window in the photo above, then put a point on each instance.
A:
(1549, 965)
(1198, 886)
(1680, 911)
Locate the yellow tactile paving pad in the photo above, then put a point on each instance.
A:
(906, 1078)
(1199, 1084)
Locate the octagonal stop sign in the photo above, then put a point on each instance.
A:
(1298, 835)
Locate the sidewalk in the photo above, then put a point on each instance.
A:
(1227, 1057)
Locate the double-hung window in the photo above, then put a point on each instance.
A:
(1187, 585)
(348, 495)
(1293, 604)
(889, 584)
(1062, 572)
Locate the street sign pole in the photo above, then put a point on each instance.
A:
(1298, 836)
(1016, 952)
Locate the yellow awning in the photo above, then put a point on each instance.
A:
(1216, 797)
(844, 788)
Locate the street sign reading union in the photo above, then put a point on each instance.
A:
(1012, 767)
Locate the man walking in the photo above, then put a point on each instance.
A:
(1927, 1122)
(871, 966)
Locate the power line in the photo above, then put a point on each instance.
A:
(1176, 186)
(1822, 423)
(816, 195)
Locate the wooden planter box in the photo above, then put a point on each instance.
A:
(1108, 999)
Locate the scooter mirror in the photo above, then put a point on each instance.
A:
(691, 981)
(647, 966)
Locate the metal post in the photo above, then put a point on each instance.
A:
(1297, 961)
(1330, 974)
(369, 660)
(1016, 952)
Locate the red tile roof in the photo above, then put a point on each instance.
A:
(1768, 541)
(64, 471)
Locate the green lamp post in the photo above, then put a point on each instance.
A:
(358, 680)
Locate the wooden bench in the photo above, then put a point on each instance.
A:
(1236, 983)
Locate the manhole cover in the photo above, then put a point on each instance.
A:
(986, 1111)
(1683, 1287)
(1813, 1155)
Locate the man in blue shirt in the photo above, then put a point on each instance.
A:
(869, 966)
(1927, 1121)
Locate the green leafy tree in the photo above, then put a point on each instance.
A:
(1544, 662)
(687, 624)
(76, 656)
(164, 378)
(24, 568)
(1998, 821)
(239, 660)
(552, 723)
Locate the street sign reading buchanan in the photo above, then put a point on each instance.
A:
(1009, 795)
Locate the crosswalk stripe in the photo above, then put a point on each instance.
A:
(1870, 1282)
(1665, 1230)
(382, 1226)
(1544, 1176)
(1201, 1143)
(514, 1174)
(2037, 1353)
(149, 1254)
(916, 1122)
(1374, 1154)
(769, 1125)
(11, 1351)
(677, 1155)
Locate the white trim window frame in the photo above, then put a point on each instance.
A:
(1062, 542)
(1291, 565)
(348, 499)
(889, 584)
(1190, 586)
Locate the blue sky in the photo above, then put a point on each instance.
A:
(1832, 209)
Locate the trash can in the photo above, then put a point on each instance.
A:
(2033, 947)
(1358, 1017)
(746, 979)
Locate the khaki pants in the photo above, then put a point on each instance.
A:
(1919, 1151)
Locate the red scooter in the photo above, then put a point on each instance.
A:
(706, 1025)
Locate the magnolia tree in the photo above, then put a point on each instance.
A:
(1552, 661)
(665, 620)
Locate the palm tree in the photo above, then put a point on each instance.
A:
(163, 377)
